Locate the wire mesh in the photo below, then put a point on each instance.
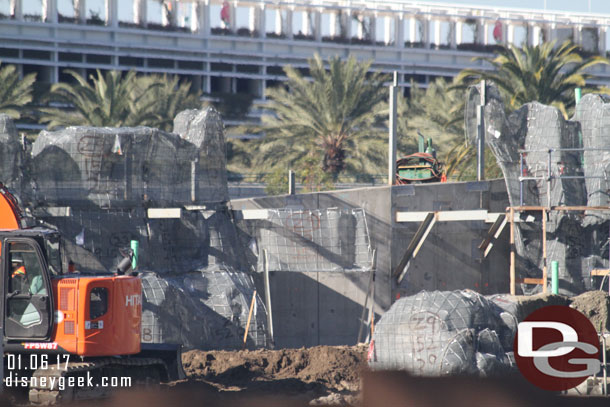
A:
(314, 240)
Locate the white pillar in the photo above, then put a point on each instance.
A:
(262, 18)
(536, 31)
(437, 33)
(16, 9)
(112, 13)
(399, 31)
(578, 34)
(80, 11)
(288, 30)
(478, 32)
(49, 11)
(334, 26)
(318, 25)
(486, 36)
(459, 32)
(278, 21)
(601, 46)
(306, 23)
(253, 17)
(196, 17)
(413, 30)
(387, 30)
(505, 26)
(360, 33)
(139, 12)
(510, 35)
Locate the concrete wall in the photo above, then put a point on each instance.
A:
(311, 308)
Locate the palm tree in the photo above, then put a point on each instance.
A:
(332, 113)
(111, 100)
(166, 97)
(545, 73)
(15, 93)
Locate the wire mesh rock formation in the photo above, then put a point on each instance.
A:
(97, 185)
(564, 163)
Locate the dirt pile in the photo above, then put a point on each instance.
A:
(595, 305)
(328, 372)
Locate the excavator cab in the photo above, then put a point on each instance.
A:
(28, 311)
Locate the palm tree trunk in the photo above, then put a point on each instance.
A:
(334, 160)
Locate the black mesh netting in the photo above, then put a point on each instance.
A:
(441, 333)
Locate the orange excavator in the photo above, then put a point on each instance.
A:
(70, 336)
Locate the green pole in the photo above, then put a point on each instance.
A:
(577, 94)
(134, 247)
(554, 277)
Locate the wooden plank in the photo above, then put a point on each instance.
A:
(492, 234)
(444, 216)
(414, 245)
(164, 213)
(538, 281)
(599, 272)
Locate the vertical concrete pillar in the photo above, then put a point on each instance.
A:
(478, 32)
(334, 30)
(139, 12)
(112, 13)
(452, 35)
(548, 33)
(578, 34)
(360, 33)
(262, 21)
(197, 17)
(505, 32)
(437, 33)
(278, 21)
(459, 32)
(16, 9)
(486, 36)
(318, 25)
(536, 34)
(306, 23)
(399, 31)
(413, 30)
(387, 30)
(510, 35)
(232, 21)
(206, 25)
(426, 32)
(49, 11)
(373, 28)
(288, 26)
(601, 45)
(80, 11)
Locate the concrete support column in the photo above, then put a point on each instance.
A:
(505, 33)
(536, 34)
(80, 11)
(548, 33)
(168, 12)
(486, 36)
(578, 34)
(278, 21)
(16, 9)
(139, 12)
(306, 23)
(334, 26)
(206, 25)
(459, 32)
(510, 35)
(437, 33)
(373, 28)
(318, 25)
(360, 33)
(112, 13)
(49, 11)
(399, 31)
(601, 45)
(426, 30)
(478, 32)
(262, 21)
(232, 23)
(412, 30)
(288, 29)
(196, 18)
(452, 35)
(387, 30)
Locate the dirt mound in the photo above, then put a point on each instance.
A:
(595, 305)
(320, 370)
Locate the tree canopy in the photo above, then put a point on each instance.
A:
(15, 93)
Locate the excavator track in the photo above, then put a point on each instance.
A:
(90, 375)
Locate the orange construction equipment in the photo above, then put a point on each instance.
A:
(63, 324)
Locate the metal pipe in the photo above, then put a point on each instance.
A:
(291, 183)
(520, 180)
(392, 131)
(481, 135)
(548, 183)
(605, 385)
(554, 277)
